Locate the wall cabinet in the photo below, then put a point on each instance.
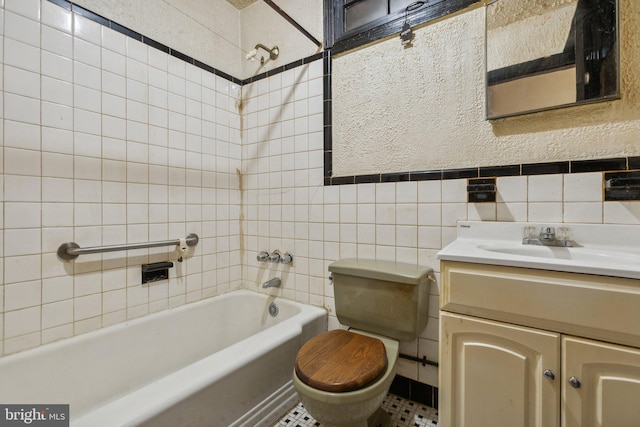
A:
(508, 373)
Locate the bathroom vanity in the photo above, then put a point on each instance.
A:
(537, 335)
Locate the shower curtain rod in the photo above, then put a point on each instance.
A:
(293, 22)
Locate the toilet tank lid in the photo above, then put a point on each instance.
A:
(391, 271)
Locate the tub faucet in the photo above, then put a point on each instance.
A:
(273, 283)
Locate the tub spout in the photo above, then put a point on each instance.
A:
(273, 283)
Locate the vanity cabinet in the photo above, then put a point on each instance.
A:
(492, 374)
(524, 347)
(601, 384)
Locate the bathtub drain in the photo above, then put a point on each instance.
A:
(273, 309)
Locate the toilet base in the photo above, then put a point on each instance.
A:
(378, 419)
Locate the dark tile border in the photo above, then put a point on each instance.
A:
(598, 165)
(495, 171)
(548, 168)
(545, 168)
(62, 3)
(633, 163)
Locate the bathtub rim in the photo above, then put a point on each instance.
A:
(146, 407)
(143, 319)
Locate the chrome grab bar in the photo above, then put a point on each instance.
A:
(71, 250)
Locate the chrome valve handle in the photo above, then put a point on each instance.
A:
(286, 258)
(263, 256)
(274, 256)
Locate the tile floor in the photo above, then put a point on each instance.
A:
(403, 412)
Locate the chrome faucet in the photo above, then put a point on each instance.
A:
(273, 283)
(548, 236)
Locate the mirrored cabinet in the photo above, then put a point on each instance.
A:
(549, 54)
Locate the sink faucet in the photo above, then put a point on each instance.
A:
(547, 235)
(273, 283)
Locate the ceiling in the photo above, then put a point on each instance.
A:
(241, 4)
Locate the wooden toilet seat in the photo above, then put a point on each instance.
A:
(340, 361)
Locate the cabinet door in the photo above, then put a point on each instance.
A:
(601, 384)
(498, 375)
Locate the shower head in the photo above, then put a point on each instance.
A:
(273, 53)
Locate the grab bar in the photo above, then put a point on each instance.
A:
(71, 250)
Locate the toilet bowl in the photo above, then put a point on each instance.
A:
(351, 408)
(343, 376)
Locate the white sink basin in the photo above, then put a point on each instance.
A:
(556, 252)
(608, 250)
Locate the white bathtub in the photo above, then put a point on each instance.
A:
(223, 361)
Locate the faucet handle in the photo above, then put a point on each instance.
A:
(263, 256)
(274, 256)
(529, 232)
(564, 235)
(286, 258)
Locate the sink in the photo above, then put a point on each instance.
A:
(556, 252)
(608, 250)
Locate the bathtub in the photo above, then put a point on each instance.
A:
(223, 361)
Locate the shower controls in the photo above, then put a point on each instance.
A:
(275, 257)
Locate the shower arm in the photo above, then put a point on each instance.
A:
(273, 53)
(293, 22)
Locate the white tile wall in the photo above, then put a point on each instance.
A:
(105, 142)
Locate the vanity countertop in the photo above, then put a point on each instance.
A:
(600, 249)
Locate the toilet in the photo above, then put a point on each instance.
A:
(343, 376)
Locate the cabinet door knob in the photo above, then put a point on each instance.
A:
(548, 374)
(574, 382)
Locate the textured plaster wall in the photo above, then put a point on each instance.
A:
(423, 107)
(261, 24)
(203, 29)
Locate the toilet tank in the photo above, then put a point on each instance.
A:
(383, 297)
